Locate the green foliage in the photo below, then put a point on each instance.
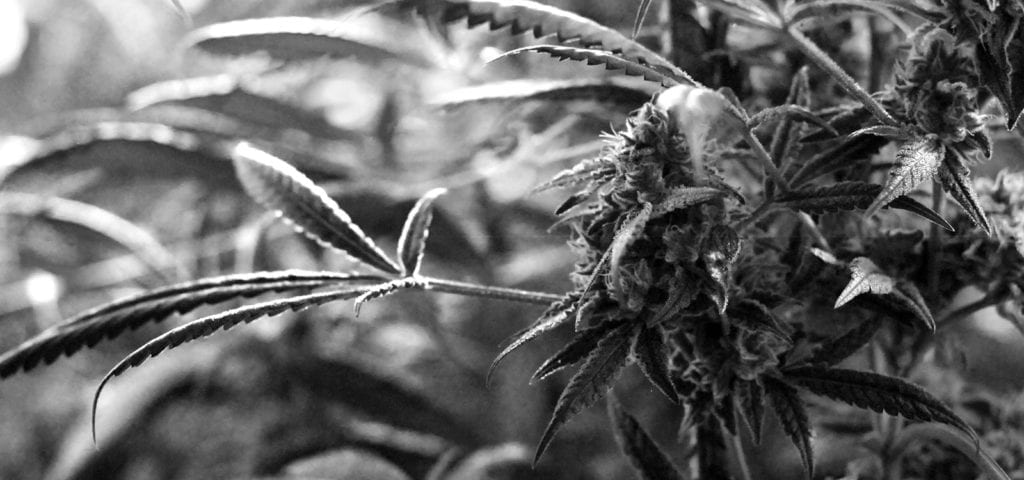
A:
(714, 237)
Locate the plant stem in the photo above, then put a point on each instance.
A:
(825, 62)
(934, 249)
(741, 457)
(766, 160)
(501, 293)
(758, 213)
(710, 453)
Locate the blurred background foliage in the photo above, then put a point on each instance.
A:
(395, 393)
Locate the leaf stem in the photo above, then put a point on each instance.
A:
(474, 290)
(741, 457)
(934, 249)
(846, 82)
(758, 213)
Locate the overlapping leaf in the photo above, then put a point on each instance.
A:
(649, 353)
(919, 160)
(644, 454)
(847, 153)
(227, 95)
(591, 382)
(865, 277)
(555, 316)
(582, 344)
(630, 230)
(876, 392)
(837, 349)
(792, 414)
(955, 178)
(751, 401)
(110, 320)
(279, 186)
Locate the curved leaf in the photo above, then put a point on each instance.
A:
(555, 316)
(865, 277)
(590, 383)
(955, 178)
(789, 112)
(649, 353)
(517, 91)
(919, 160)
(227, 95)
(646, 456)
(629, 232)
(206, 326)
(582, 344)
(123, 149)
(683, 197)
(792, 413)
(876, 392)
(750, 402)
(849, 152)
(953, 438)
(543, 20)
(110, 320)
(415, 232)
(136, 239)
(846, 196)
(837, 349)
(279, 186)
(296, 38)
(383, 290)
(599, 57)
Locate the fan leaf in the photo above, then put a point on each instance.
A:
(296, 38)
(751, 401)
(206, 326)
(919, 160)
(792, 413)
(110, 320)
(629, 232)
(279, 186)
(644, 454)
(846, 196)
(849, 152)
(955, 178)
(415, 232)
(865, 277)
(544, 20)
(590, 383)
(837, 349)
(876, 392)
(609, 60)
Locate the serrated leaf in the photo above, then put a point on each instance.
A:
(903, 300)
(206, 326)
(643, 453)
(648, 351)
(919, 161)
(582, 344)
(110, 320)
(555, 316)
(518, 91)
(811, 10)
(415, 232)
(789, 112)
(753, 316)
(719, 251)
(955, 178)
(543, 20)
(296, 38)
(846, 196)
(683, 197)
(792, 414)
(876, 392)
(590, 383)
(750, 402)
(609, 60)
(279, 186)
(999, 55)
(630, 230)
(865, 277)
(886, 131)
(837, 349)
(383, 290)
(228, 95)
(586, 171)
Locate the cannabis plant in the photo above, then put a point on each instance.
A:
(741, 239)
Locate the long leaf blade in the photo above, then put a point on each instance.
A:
(919, 160)
(598, 57)
(279, 186)
(876, 392)
(644, 454)
(110, 320)
(557, 315)
(590, 383)
(519, 91)
(414, 234)
(206, 326)
(792, 413)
